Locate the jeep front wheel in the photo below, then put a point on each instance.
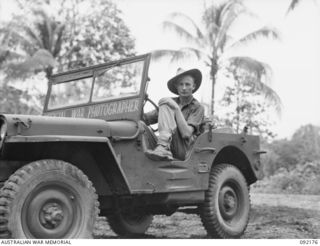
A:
(129, 224)
(225, 211)
(48, 199)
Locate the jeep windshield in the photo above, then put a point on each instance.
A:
(109, 91)
(119, 81)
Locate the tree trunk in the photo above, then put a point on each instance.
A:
(213, 73)
(237, 105)
(48, 72)
(212, 96)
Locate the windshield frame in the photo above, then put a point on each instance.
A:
(92, 72)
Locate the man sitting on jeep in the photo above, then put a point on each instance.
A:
(178, 118)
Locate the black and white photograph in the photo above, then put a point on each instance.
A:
(159, 119)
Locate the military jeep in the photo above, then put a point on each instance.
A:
(85, 157)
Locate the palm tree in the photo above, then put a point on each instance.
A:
(39, 44)
(211, 43)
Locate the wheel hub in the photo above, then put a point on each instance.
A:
(51, 215)
(228, 202)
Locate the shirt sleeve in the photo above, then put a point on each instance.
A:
(195, 119)
(151, 117)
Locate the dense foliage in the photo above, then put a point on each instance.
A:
(293, 165)
(95, 36)
(52, 36)
(303, 179)
(14, 100)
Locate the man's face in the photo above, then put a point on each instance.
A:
(185, 86)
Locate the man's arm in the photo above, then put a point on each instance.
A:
(185, 130)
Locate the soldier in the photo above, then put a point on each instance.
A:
(178, 118)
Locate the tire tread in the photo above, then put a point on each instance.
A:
(208, 218)
(12, 186)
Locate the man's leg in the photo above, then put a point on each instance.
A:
(179, 146)
(166, 126)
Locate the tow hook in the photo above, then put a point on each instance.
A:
(20, 123)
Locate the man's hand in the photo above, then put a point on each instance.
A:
(170, 102)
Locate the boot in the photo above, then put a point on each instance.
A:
(160, 153)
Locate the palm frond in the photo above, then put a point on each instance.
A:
(237, 7)
(41, 60)
(188, 19)
(293, 5)
(231, 12)
(157, 55)
(230, 8)
(174, 55)
(45, 26)
(182, 32)
(219, 19)
(210, 17)
(212, 32)
(263, 77)
(269, 32)
(35, 36)
(217, 11)
(181, 54)
(8, 53)
(16, 36)
(58, 43)
(199, 54)
(270, 95)
(260, 68)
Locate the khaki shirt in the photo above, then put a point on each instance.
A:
(193, 113)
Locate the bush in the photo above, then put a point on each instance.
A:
(303, 179)
(271, 162)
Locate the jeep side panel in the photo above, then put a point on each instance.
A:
(147, 176)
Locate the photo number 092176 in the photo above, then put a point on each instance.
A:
(309, 242)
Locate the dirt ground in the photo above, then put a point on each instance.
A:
(272, 216)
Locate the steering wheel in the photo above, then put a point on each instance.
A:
(147, 99)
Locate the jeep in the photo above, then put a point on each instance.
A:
(85, 157)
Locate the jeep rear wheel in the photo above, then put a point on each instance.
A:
(48, 199)
(129, 224)
(225, 212)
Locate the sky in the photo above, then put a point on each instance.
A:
(295, 59)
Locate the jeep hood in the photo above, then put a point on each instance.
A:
(30, 125)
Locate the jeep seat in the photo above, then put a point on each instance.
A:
(149, 139)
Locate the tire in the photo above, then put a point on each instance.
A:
(129, 224)
(48, 199)
(225, 211)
